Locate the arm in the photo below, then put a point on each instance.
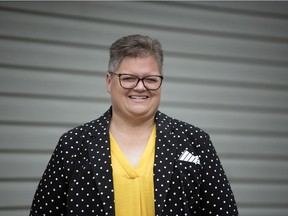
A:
(216, 195)
(50, 196)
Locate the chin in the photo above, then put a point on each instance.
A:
(144, 111)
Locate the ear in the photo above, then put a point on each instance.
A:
(108, 82)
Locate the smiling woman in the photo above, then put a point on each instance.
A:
(134, 160)
(225, 70)
(136, 104)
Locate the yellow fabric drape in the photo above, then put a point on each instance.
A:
(134, 188)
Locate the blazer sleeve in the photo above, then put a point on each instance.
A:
(216, 195)
(50, 196)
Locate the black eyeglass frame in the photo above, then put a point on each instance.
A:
(138, 80)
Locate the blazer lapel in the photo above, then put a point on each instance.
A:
(99, 153)
(165, 154)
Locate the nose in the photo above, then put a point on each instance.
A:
(140, 85)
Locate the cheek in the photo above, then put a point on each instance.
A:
(112, 85)
(157, 93)
(117, 91)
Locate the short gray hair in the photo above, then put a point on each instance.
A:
(134, 46)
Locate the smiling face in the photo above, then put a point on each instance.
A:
(138, 103)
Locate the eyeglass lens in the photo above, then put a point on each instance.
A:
(149, 82)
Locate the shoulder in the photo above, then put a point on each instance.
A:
(88, 129)
(187, 136)
(180, 127)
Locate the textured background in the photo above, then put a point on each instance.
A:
(225, 71)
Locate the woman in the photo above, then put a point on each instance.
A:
(134, 160)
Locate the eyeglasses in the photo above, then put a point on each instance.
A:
(129, 81)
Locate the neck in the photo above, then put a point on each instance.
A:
(131, 136)
(131, 125)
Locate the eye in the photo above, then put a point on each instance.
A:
(152, 79)
(127, 78)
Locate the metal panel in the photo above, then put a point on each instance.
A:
(167, 14)
(73, 31)
(225, 71)
(51, 110)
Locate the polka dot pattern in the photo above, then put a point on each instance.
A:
(78, 178)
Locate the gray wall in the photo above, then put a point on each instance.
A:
(225, 71)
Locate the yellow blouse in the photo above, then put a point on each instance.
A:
(133, 188)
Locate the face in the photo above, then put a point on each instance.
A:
(137, 103)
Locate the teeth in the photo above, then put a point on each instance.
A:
(138, 97)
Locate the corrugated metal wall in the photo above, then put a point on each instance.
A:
(225, 71)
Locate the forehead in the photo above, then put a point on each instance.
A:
(139, 65)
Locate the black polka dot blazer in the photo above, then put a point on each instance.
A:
(188, 176)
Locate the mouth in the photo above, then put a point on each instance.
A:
(135, 97)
